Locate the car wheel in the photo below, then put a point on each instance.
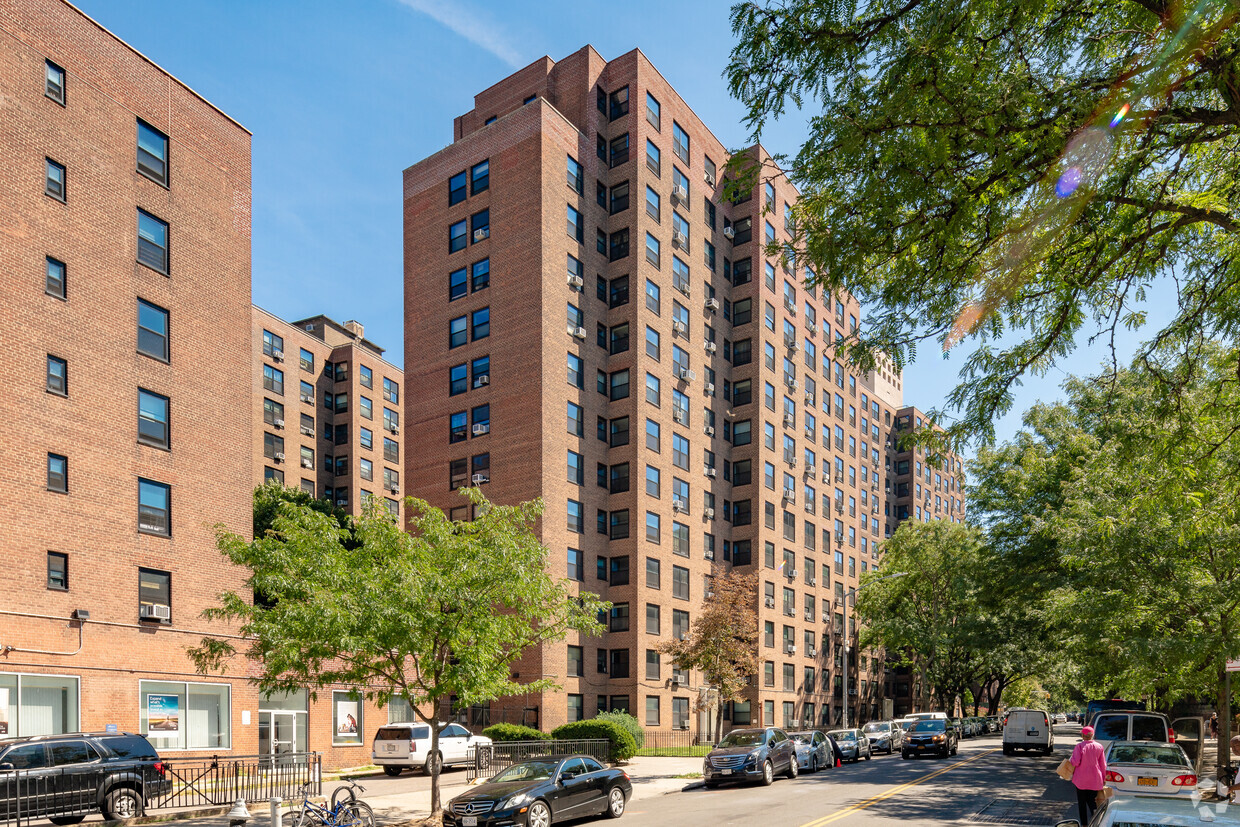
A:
(539, 815)
(710, 785)
(905, 756)
(768, 773)
(813, 764)
(392, 771)
(122, 804)
(66, 819)
(793, 769)
(615, 803)
(869, 753)
(434, 763)
(891, 748)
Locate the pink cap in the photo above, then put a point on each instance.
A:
(1087, 732)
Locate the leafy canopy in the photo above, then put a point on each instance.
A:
(1008, 174)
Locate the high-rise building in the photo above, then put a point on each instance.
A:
(129, 391)
(589, 321)
(326, 411)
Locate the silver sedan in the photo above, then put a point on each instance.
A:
(813, 750)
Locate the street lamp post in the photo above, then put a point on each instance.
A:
(852, 595)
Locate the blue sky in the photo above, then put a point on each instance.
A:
(341, 97)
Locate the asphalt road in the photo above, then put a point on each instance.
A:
(978, 786)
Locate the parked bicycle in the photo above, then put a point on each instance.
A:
(346, 809)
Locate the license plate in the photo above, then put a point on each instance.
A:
(390, 747)
(1032, 732)
(1147, 782)
(921, 746)
(725, 772)
(469, 821)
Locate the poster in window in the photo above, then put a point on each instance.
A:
(163, 713)
(346, 717)
(4, 710)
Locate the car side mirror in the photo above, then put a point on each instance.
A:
(1072, 822)
(567, 775)
(6, 766)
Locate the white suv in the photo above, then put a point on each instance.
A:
(397, 746)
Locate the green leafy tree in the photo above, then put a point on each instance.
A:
(1009, 174)
(269, 497)
(723, 640)
(441, 611)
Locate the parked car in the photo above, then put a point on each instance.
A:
(884, 736)
(1028, 729)
(541, 791)
(1189, 733)
(853, 744)
(935, 736)
(961, 730)
(750, 755)
(64, 778)
(1133, 810)
(996, 723)
(408, 745)
(1150, 768)
(814, 750)
(924, 716)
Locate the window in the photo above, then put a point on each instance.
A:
(458, 333)
(680, 142)
(575, 375)
(54, 182)
(652, 527)
(576, 224)
(652, 111)
(680, 452)
(154, 507)
(55, 284)
(576, 468)
(619, 292)
(619, 571)
(652, 435)
(575, 566)
(619, 432)
(652, 701)
(58, 473)
(619, 525)
(152, 153)
(619, 382)
(458, 236)
(652, 158)
(203, 714)
(576, 179)
(680, 583)
(576, 522)
(456, 188)
(480, 177)
(619, 198)
(480, 226)
(57, 571)
(152, 242)
(680, 624)
(57, 376)
(619, 664)
(619, 150)
(619, 619)
(273, 379)
(55, 86)
(153, 418)
(652, 250)
(576, 665)
(618, 103)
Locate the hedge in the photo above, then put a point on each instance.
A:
(514, 732)
(622, 744)
(627, 721)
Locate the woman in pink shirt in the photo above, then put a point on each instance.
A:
(1089, 770)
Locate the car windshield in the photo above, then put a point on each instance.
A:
(844, 735)
(1132, 754)
(876, 727)
(751, 738)
(929, 726)
(537, 770)
(802, 737)
(1112, 728)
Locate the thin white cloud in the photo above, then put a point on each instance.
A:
(470, 24)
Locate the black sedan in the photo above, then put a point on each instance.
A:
(540, 791)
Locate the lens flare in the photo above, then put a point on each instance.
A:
(1068, 182)
(1119, 116)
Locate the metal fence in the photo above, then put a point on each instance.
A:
(486, 761)
(676, 742)
(27, 795)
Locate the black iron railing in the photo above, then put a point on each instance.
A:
(677, 742)
(486, 761)
(30, 794)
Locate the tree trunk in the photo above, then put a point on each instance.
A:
(1224, 719)
(719, 722)
(435, 804)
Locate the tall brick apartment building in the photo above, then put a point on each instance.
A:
(588, 321)
(326, 411)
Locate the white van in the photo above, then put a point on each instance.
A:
(1028, 729)
(928, 716)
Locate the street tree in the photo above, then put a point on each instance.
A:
(1006, 174)
(437, 613)
(723, 640)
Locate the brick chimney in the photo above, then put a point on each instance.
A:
(355, 328)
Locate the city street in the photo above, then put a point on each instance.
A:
(978, 786)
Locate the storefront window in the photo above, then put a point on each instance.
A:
(346, 718)
(37, 704)
(400, 712)
(176, 715)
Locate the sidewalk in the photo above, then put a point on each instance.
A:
(651, 777)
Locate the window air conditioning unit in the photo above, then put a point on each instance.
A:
(809, 472)
(684, 635)
(575, 282)
(683, 287)
(839, 476)
(710, 389)
(674, 683)
(826, 476)
(481, 233)
(155, 611)
(839, 506)
(392, 427)
(279, 457)
(305, 463)
(577, 332)
(680, 505)
(770, 603)
(394, 488)
(813, 581)
(712, 305)
(813, 653)
(711, 347)
(809, 398)
(789, 420)
(307, 431)
(678, 416)
(687, 375)
(792, 574)
(729, 233)
(792, 649)
(839, 538)
(710, 515)
(709, 471)
(479, 479)
(791, 383)
(679, 328)
(278, 355)
(709, 430)
(790, 496)
(852, 691)
(679, 240)
(680, 194)
(789, 306)
(811, 327)
(792, 462)
(305, 397)
(826, 616)
(482, 428)
(279, 423)
(485, 379)
(710, 555)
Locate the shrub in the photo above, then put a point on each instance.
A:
(627, 721)
(514, 732)
(622, 744)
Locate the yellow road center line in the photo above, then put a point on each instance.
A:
(869, 802)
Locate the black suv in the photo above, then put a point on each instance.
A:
(931, 736)
(64, 778)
